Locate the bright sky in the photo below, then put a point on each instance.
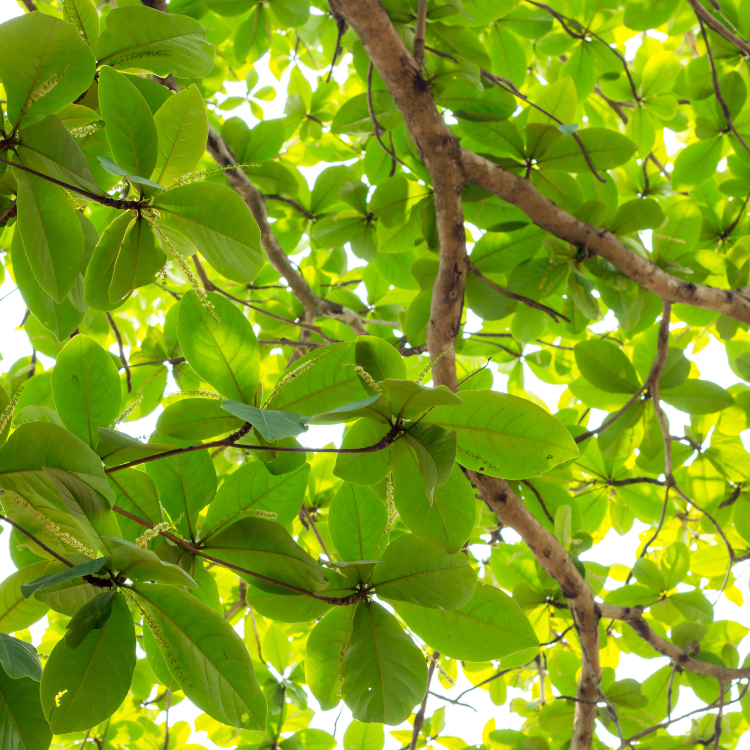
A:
(467, 723)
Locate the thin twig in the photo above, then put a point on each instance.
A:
(123, 358)
(306, 512)
(376, 126)
(419, 718)
(296, 206)
(36, 541)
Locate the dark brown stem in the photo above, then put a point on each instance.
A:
(419, 718)
(376, 126)
(104, 200)
(36, 541)
(520, 298)
(123, 358)
(306, 512)
(296, 206)
(420, 31)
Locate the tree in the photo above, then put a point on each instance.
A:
(507, 159)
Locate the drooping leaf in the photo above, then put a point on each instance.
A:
(21, 714)
(19, 658)
(217, 221)
(86, 388)
(53, 579)
(383, 673)
(490, 626)
(17, 612)
(418, 572)
(504, 436)
(271, 424)
(81, 689)
(357, 521)
(206, 656)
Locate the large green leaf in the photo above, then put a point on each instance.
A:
(37, 445)
(267, 548)
(47, 147)
(326, 645)
(44, 65)
(253, 487)
(206, 656)
(408, 399)
(66, 574)
(606, 366)
(698, 397)
(59, 319)
(186, 483)
(67, 597)
(82, 688)
(504, 436)
(607, 149)
(432, 450)
(84, 16)
(182, 128)
(21, 715)
(448, 520)
(320, 381)
(490, 626)
(196, 419)
(19, 658)
(86, 388)
(383, 673)
(144, 565)
(16, 611)
(129, 125)
(365, 469)
(163, 43)
(225, 352)
(52, 234)
(418, 572)
(139, 261)
(101, 267)
(357, 521)
(218, 222)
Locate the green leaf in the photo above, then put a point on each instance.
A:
(559, 99)
(607, 148)
(357, 521)
(19, 658)
(90, 616)
(359, 736)
(48, 147)
(433, 451)
(272, 425)
(84, 16)
(74, 697)
(101, 267)
(698, 397)
(365, 469)
(375, 407)
(384, 674)
(637, 215)
(186, 483)
(38, 445)
(139, 261)
(326, 644)
(163, 43)
(135, 492)
(53, 579)
(490, 626)
(293, 608)
(68, 597)
(418, 572)
(44, 65)
(225, 353)
(21, 715)
(51, 233)
(109, 166)
(196, 419)
(253, 487)
(157, 661)
(459, 41)
(182, 129)
(504, 436)
(206, 656)
(448, 520)
(696, 164)
(60, 320)
(86, 388)
(693, 606)
(144, 565)
(267, 548)
(323, 380)
(129, 125)
(606, 366)
(408, 399)
(117, 448)
(218, 222)
(379, 359)
(16, 611)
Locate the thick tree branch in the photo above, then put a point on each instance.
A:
(715, 25)
(553, 219)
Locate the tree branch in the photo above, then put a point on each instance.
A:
(419, 718)
(42, 545)
(715, 25)
(420, 30)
